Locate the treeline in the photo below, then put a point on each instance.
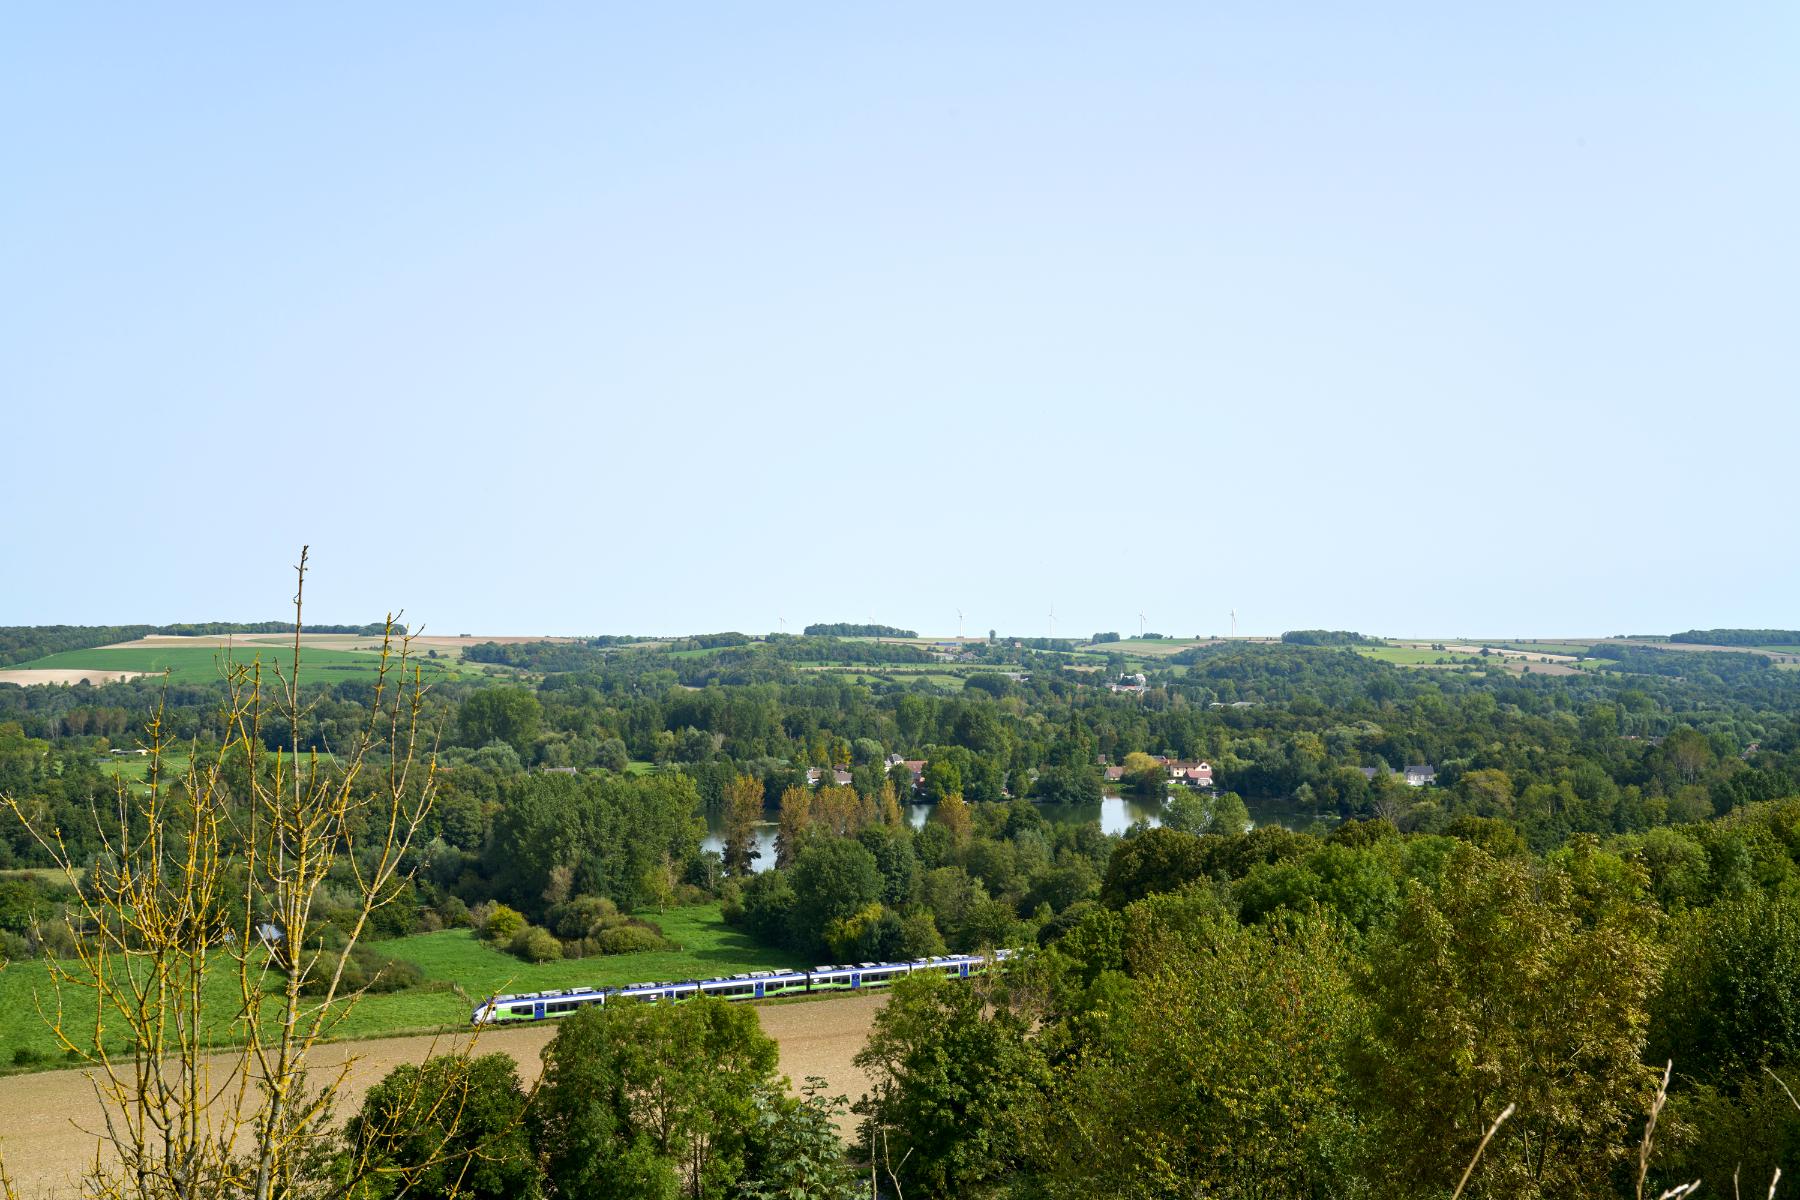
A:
(1327, 637)
(740, 658)
(1739, 637)
(539, 656)
(842, 629)
(215, 628)
(1722, 667)
(23, 643)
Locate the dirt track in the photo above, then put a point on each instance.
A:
(40, 1114)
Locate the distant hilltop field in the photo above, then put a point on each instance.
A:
(192, 654)
(201, 657)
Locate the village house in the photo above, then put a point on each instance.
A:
(1193, 774)
(1420, 775)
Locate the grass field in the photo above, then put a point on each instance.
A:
(1146, 647)
(451, 960)
(1408, 656)
(203, 663)
(136, 769)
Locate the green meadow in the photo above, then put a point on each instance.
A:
(1409, 656)
(459, 970)
(204, 663)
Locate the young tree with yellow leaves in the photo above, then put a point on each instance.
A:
(206, 884)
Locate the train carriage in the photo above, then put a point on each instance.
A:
(753, 985)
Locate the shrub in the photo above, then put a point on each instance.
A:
(455, 913)
(365, 970)
(536, 945)
(581, 917)
(25, 1056)
(13, 946)
(502, 924)
(627, 939)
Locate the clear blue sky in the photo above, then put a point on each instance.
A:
(1405, 318)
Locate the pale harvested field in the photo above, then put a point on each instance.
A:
(1517, 660)
(27, 677)
(42, 1115)
(446, 645)
(430, 639)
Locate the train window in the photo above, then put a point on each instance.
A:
(521, 1010)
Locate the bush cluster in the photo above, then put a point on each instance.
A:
(584, 927)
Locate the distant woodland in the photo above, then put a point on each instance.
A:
(1310, 980)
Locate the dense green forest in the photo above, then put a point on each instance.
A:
(1603, 878)
(1327, 637)
(1739, 637)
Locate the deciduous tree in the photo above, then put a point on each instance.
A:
(1492, 990)
(743, 810)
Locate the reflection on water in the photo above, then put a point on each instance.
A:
(765, 842)
(1115, 813)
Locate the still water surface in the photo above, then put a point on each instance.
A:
(1115, 814)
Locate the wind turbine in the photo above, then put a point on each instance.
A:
(1234, 622)
(959, 619)
(783, 621)
(1140, 624)
(1053, 622)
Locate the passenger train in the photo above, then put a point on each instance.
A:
(757, 985)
